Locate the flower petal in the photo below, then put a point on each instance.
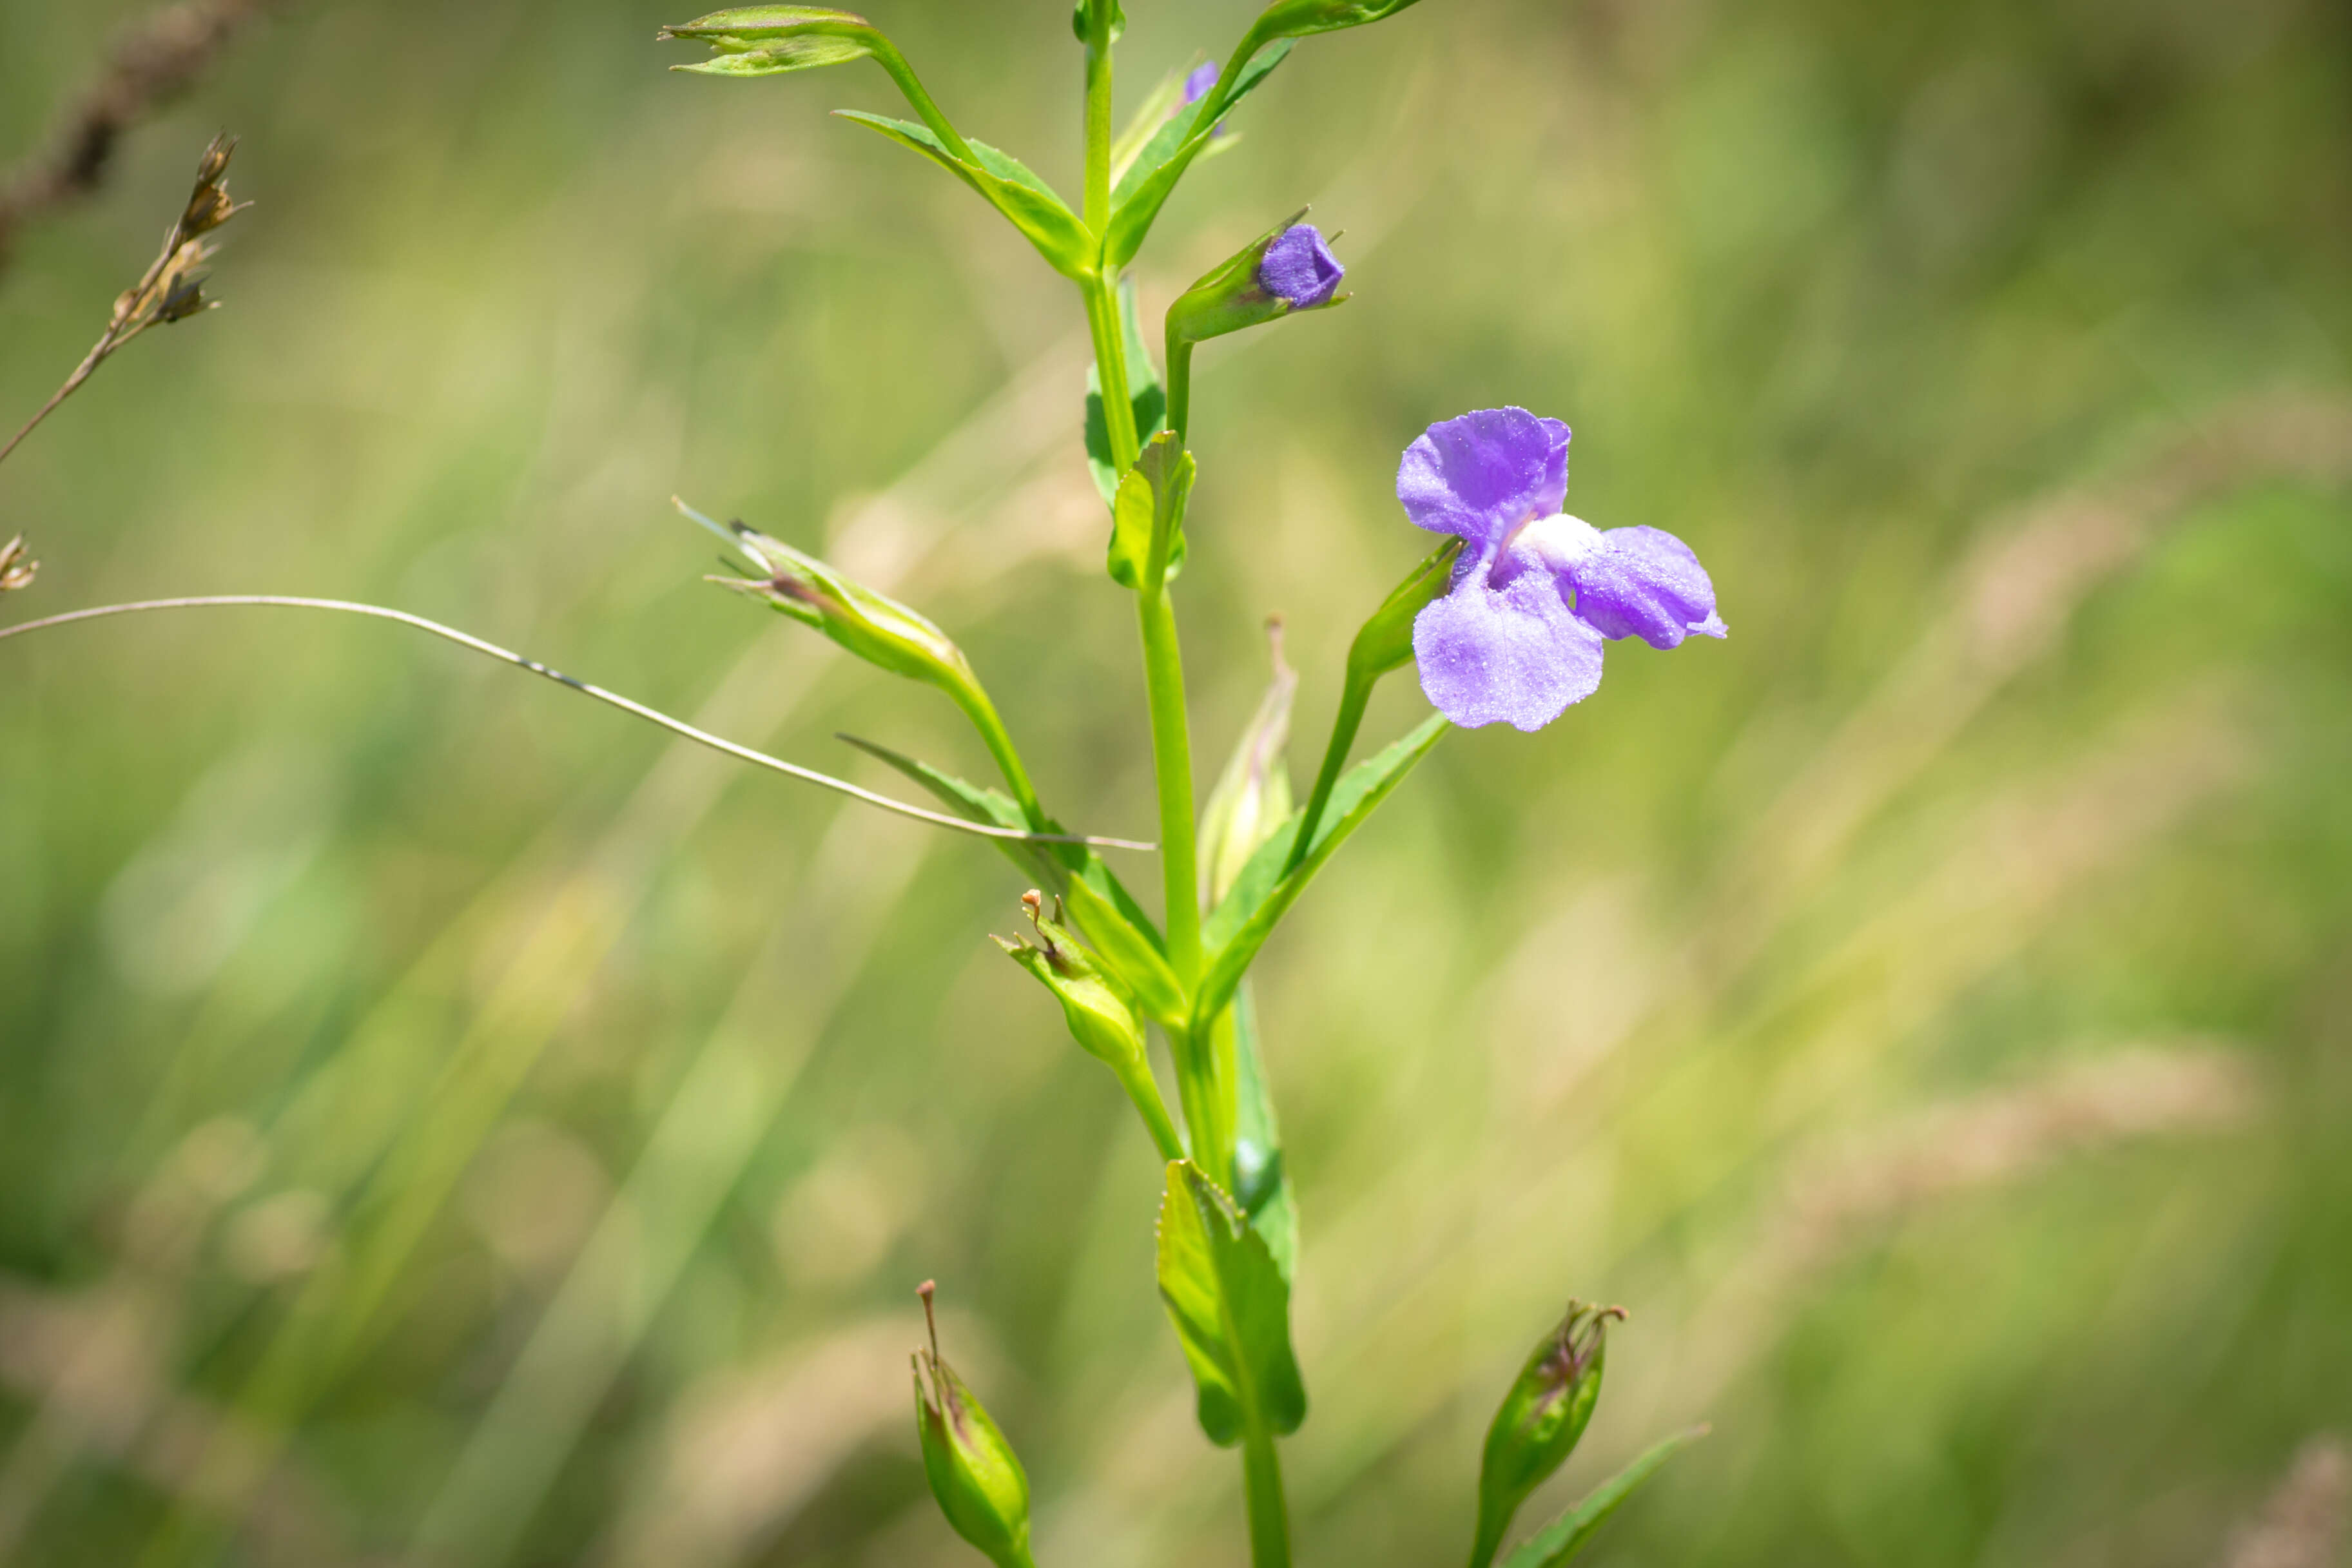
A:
(1645, 583)
(1485, 474)
(1514, 654)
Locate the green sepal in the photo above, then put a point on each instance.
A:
(1261, 1174)
(1007, 185)
(1568, 1534)
(776, 60)
(1297, 18)
(1123, 935)
(1252, 798)
(974, 1472)
(1146, 394)
(1153, 178)
(1384, 641)
(769, 41)
(1541, 1420)
(1149, 513)
(1231, 1308)
(1229, 298)
(1239, 925)
(755, 27)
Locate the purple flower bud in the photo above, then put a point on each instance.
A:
(1299, 268)
(1197, 85)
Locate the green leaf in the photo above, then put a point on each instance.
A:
(1164, 158)
(1007, 184)
(1239, 926)
(1568, 1534)
(1232, 1311)
(1145, 394)
(1294, 18)
(1123, 935)
(1150, 506)
(1261, 1175)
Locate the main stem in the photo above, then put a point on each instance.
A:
(1269, 1518)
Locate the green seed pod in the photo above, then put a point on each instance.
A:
(973, 1471)
(767, 40)
(1099, 1011)
(1541, 1420)
(877, 629)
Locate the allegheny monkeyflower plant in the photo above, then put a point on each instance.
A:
(1505, 622)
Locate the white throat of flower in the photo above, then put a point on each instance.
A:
(1556, 542)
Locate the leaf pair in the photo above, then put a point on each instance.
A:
(1230, 1303)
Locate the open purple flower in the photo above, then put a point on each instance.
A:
(1536, 593)
(1300, 268)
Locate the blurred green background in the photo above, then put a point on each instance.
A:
(443, 1123)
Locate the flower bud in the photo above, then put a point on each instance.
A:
(973, 1471)
(1251, 801)
(1541, 1420)
(1289, 267)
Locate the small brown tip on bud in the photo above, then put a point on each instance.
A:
(927, 1289)
(1033, 902)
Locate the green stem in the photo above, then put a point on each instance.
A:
(1098, 110)
(887, 56)
(999, 741)
(1179, 387)
(1269, 1519)
(1110, 369)
(1172, 759)
(1135, 1077)
(1344, 725)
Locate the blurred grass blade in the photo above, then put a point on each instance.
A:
(1568, 1534)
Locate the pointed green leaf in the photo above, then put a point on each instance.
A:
(1150, 506)
(1145, 393)
(1568, 1534)
(1232, 1311)
(992, 806)
(1153, 179)
(1261, 1175)
(1239, 926)
(1008, 184)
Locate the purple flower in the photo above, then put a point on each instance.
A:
(1518, 637)
(1299, 268)
(1197, 85)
